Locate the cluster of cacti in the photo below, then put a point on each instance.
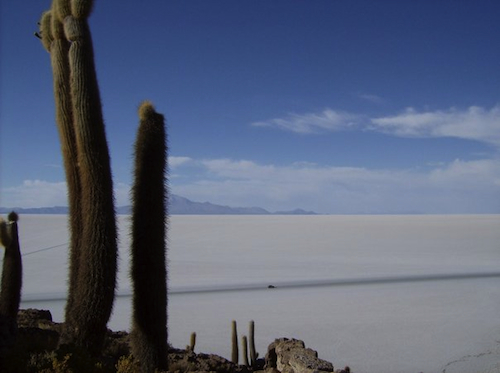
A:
(246, 344)
(65, 34)
(149, 327)
(12, 278)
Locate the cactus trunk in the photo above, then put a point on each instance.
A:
(93, 248)
(59, 50)
(253, 353)
(149, 273)
(234, 342)
(12, 271)
(192, 342)
(10, 293)
(244, 350)
(89, 313)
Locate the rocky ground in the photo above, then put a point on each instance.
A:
(35, 350)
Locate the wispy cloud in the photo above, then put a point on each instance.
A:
(35, 193)
(174, 162)
(40, 193)
(327, 120)
(52, 165)
(374, 99)
(456, 187)
(474, 123)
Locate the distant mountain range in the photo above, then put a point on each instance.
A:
(177, 206)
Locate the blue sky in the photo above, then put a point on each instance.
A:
(327, 105)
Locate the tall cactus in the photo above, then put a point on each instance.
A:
(94, 258)
(57, 45)
(12, 278)
(149, 328)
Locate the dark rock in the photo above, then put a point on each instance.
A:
(36, 339)
(187, 360)
(116, 344)
(33, 318)
(345, 370)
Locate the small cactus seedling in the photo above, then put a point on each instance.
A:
(253, 354)
(192, 344)
(244, 350)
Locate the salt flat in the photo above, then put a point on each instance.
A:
(429, 326)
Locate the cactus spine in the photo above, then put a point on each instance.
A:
(94, 258)
(234, 342)
(12, 278)
(149, 327)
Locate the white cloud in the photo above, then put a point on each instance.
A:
(475, 123)
(174, 162)
(467, 174)
(327, 120)
(457, 187)
(35, 193)
(39, 193)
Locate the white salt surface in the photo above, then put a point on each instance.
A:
(446, 325)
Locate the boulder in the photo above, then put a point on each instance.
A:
(292, 356)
